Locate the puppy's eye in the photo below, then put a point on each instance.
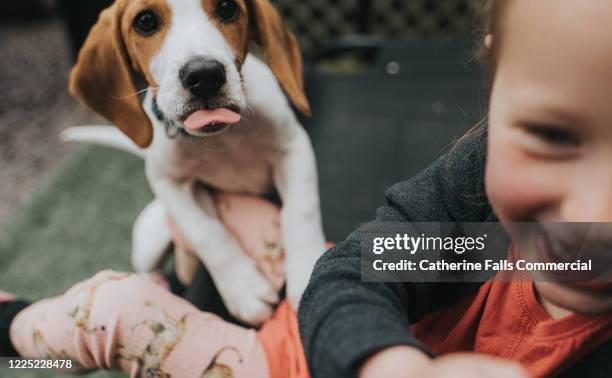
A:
(227, 10)
(146, 23)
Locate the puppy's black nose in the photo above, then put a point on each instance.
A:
(203, 77)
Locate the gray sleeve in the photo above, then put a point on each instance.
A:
(343, 320)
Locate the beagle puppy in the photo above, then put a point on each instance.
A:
(214, 119)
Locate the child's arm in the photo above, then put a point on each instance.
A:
(342, 320)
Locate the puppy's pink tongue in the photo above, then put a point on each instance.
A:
(202, 118)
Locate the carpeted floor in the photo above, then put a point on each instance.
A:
(75, 224)
(34, 106)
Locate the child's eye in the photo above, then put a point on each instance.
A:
(555, 135)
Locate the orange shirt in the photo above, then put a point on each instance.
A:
(280, 338)
(506, 320)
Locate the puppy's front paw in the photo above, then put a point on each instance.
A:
(246, 293)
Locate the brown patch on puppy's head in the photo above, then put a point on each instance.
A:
(115, 56)
(143, 47)
(259, 21)
(235, 30)
(282, 51)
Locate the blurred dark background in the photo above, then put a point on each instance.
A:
(315, 21)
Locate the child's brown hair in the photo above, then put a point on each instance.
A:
(489, 14)
(488, 28)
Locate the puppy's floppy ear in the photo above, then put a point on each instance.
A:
(281, 50)
(104, 80)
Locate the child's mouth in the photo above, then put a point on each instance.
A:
(569, 244)
(552, 249)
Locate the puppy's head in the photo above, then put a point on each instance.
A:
(190, 53)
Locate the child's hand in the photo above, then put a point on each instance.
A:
(406, 362)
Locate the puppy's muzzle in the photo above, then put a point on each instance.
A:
(202, 77)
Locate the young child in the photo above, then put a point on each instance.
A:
(546, 155)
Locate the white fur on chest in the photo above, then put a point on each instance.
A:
(239, 160)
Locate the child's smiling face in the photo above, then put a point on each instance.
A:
(550, 123)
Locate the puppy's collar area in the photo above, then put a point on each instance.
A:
(172, 130)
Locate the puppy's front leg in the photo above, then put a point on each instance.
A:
(302, 232)
(246, 293)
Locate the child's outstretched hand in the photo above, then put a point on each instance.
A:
(406, 362)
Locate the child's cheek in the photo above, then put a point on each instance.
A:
(520, 188)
